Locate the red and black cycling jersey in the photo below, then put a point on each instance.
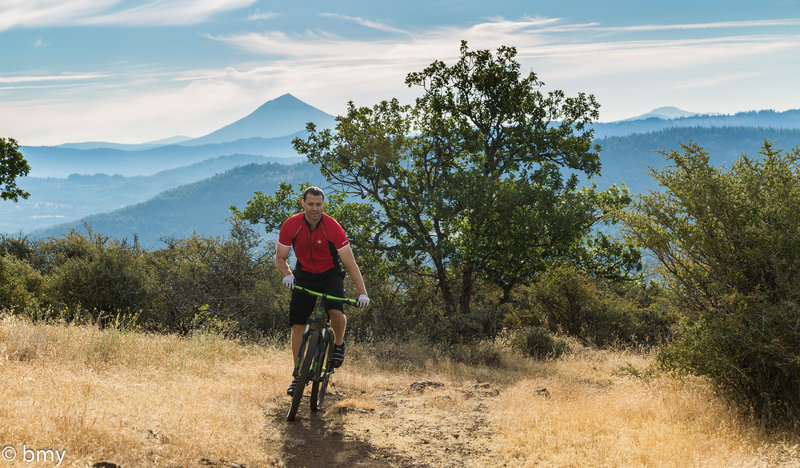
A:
(317, 250)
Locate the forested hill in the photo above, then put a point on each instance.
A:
(203, 206)
(54, 201)
(200, 207)
(789, 119)
(625, 158)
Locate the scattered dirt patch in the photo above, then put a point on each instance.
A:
(422, 424)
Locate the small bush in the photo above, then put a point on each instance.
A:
(597, 312)
(22, 288)
(539, 343)
(23, 248)
(750, 348)
(106, 278)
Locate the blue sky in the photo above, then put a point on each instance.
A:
(130, 72)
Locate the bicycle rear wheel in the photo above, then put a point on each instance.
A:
(305, 373)
(321, 376)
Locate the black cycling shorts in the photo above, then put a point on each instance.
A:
(302, 303)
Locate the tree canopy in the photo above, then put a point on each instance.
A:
(12, 165)
(475, 181)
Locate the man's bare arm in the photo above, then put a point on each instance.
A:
(282, 260)
(349, 260)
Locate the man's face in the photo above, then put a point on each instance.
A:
(313, 205)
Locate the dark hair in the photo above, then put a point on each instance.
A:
(313, 190)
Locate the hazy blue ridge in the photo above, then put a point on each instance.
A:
(49, 161)
(625, 158)
(58, 200)
(765, 119)
(666, 112)
(200, 207)
(134, 198)
(87, 145)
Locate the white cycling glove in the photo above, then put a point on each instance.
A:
(288, 281)
(362, 301)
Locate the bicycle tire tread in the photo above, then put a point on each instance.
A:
(302, 378)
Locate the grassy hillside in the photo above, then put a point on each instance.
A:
(200, 207)
(136, 399)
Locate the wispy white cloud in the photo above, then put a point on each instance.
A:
(532, 37)
(714, 81)
(700, 26)
(329, 66)
(365, 22)
(169, 12)
(258, 16)
(328, 69)
(36, 13)
(41, 87)
(32, 13)
(194, 108)
(53, 78)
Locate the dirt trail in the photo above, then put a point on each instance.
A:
(416, 424)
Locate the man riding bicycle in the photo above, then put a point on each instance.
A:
(319, 243)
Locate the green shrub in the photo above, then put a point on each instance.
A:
(564, 299)
(595, 311)
(728, 242)
(237, 283)
(106, 278)
(751, 350)
(539, 342)
(22, 288)
(23, 248)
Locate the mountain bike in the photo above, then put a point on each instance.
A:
(313, 362)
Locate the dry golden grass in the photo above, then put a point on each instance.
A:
(138, 399)
(595, 415)
(135, 399)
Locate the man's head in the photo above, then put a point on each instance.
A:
(313, 190)
(313, 202)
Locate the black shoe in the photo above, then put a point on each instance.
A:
(338, 355)
(292, 387)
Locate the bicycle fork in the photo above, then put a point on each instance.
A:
(326, 334)
(300, 353)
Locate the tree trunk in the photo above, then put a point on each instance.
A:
(445, 286)
(467, 282)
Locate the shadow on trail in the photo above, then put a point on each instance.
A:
(314, 440)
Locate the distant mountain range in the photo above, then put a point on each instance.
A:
(88, 145)
(285, 115)
(268, 131)
(666, 113)
(50, 161)
(198, 208)
(53, 200)
(653, 123)
(181, 185)
(627, 158)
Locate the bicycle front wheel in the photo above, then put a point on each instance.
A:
(303, 376)
(321, 376)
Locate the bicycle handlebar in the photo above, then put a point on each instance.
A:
(352, 302)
